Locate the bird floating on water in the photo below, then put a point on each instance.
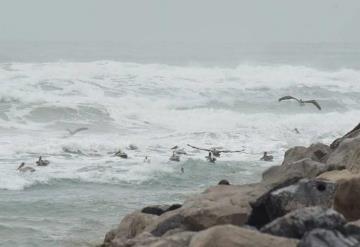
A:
(211, 157)
(23, 168)
(175, 157)
(42, 162)
(302, 102)
(267, 157)
(121, 154)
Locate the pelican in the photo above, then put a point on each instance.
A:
(267, 157)
(121, 154)
(73, 132)
(215, 151)
(42, 162)
(302, 102)
(21, 168)
(211, 157)
(175, 157)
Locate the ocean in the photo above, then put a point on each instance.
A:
(154, 96)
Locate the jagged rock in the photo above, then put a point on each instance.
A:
(259, 215)
(160, 209)
(353, 229)
(221, 205)
(180, 239)
(305, 193)
(316, 152)
(217, 205)
(347, 198)
(233, 236)
(327, 238)
(298, 222)
(172, 221)
(304, 168)
(347, 154)
(336, 176)
(130, 226)
(351, 134)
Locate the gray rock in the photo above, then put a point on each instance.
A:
(297, 223)
(160, 209)
(327, 238)
(351, 134)
(316, 152)
(304, 168)
(353, 229)
(347, 154)
(172, 222)
(305, 193)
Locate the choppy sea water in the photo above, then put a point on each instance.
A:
(86, 190)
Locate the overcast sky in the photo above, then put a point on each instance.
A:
(180, 20)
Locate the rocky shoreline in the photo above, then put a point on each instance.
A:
(311, 200)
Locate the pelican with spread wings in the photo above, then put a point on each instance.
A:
(215, 151)
(302, 102)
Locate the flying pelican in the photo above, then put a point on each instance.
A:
(215, 151)
(302, 102)
(42, 162)
(73, 132)
(21, 168)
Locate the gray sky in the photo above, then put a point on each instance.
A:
(180, 20)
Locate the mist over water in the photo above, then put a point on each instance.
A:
(224, 98)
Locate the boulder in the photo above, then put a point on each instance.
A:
(259, 215)
(337, 175)
(304, 168)
(221, 205)
(130, 226)
(346, 155)
(180, 239)
(305, 193)
(160, 209)
(218, 205)
(353, 229)
(351, 134)
(233, 236)
(298, 222)
(316, 152)
(327, 238)
(347, 198)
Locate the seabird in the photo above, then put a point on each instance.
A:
(211, 157)
(21, 168)
(73, 132)
(267, 157)
(175, 157)
(42, 162)
(215, 151)
(302, 102)
(297, 131)
(132, 147)
(147, 159)
(121, 154)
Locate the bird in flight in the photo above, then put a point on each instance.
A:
(73, 132)
(302, 102)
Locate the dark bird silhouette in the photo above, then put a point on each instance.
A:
(73, 132)
(301, 102)
(175, 157)
(215, 151)
(42, 162)
(267, 157)
(121, 154)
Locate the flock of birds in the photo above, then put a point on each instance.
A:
(213, 153)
